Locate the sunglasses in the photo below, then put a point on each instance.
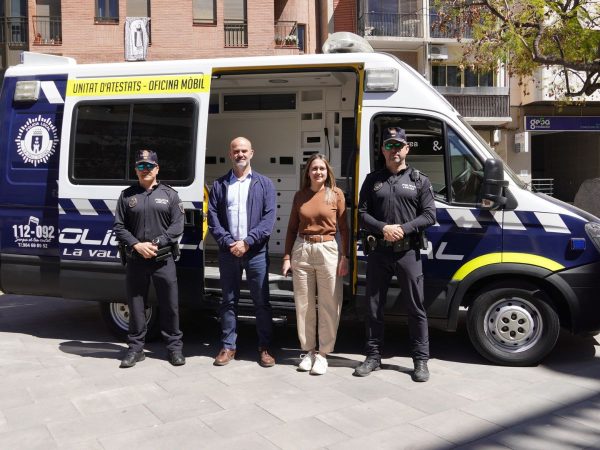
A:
(393, 145)
(145, 166)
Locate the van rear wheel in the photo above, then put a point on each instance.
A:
(116, 317)
(512, 326)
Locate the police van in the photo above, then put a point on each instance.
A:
(523, 264)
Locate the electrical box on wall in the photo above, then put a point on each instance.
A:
(496, 136)
(522, 142)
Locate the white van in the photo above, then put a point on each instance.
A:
(523, 264)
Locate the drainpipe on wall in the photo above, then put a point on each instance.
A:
(5, 13)
(318, 18)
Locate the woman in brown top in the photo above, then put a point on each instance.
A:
(311, 251)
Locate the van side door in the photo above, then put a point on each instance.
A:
(107, 120)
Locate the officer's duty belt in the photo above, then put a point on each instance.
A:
(402, 245)
(161, 254)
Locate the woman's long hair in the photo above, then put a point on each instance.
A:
(329, 181)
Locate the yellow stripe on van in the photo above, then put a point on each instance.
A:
(496, 258)
(158, 84)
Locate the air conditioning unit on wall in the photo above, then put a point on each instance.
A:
(438, 52)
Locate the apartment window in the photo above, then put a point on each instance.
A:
(454, 76)
(15, 23)
(204, 11)
(474, 78)
(392, 6)
(47, 23)
(107, 11)
(235, 23)
(302, 38)
(138, 8)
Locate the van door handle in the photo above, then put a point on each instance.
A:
(193, 218)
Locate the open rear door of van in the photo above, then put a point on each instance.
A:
(109, 115)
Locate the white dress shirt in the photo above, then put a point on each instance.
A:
(237, 200)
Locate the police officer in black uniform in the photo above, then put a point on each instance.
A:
(396, 204)
(148, 221)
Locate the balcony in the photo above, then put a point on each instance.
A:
(47, 30)
(482, 105)
(286, 34)
(391, 25)
(236, 33)
(13, 31)
(450, 30)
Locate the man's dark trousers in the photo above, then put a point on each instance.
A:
(164, 277)
(382, 265)
(256, 265)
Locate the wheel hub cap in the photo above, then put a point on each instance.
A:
(513, 324)
(120, 314)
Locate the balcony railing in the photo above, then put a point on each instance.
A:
(449, 31)
(47, 30)
(391, 25)
(13, 30)
(478, 101)
(236, 33)
(286, 34)
(543, 185)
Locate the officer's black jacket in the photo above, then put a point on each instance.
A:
(142, 216)
(386, 198)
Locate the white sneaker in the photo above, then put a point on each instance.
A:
(307, 362)
(319, 366)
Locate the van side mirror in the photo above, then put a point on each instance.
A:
(493, 185)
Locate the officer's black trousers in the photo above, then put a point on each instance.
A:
(382, 265)
(163, 275)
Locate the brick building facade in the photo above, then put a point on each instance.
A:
(95, 31)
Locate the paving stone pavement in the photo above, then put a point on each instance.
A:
(61, 388)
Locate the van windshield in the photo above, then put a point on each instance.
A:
(517, 179)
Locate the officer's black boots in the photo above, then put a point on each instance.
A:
(176, 358)
(421, 373)
(365, 368)
(131, 358)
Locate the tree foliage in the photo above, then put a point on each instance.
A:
(526, 34)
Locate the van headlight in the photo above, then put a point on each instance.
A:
(593, 231)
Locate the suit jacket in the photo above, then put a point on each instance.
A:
(260, 208)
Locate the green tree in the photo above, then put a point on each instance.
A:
(527, 34)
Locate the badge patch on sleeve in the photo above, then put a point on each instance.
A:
(377, 186)
(132, 202)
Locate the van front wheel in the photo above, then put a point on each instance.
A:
(116, 317)
(512, 326)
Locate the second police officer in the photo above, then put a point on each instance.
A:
(149, 219)
(396, 204)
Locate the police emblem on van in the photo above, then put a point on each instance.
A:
(37, 140)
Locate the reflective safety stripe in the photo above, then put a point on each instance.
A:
(552, 223)
(51, 92)
(463, 218)
(497, 258)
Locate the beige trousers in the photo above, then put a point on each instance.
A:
(317, 293)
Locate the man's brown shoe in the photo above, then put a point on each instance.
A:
(224, 356)
(265, 358)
